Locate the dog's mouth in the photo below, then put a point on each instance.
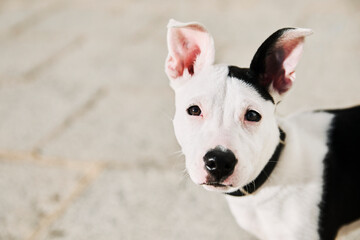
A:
(216, 186)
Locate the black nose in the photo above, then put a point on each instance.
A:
(219, 164)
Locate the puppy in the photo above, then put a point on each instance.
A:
(292, 178)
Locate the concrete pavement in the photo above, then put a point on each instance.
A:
(87, 149)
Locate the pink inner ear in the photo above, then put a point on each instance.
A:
(174, 68)
(185, 51)
(281, 66)
(282, 83)
(181, 60)
(190, 59)
(185, 47)
(183, 57)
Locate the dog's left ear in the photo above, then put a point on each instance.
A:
(276, 59)
(191, 48)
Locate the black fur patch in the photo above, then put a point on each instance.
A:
(250, 78)
(340, 203)
(258, 64)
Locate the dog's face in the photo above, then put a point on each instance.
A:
(216, 111)
(224, 120)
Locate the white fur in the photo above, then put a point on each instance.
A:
(183, 39)
(286, 205)
(224, 103)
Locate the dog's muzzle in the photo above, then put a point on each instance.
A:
(219, 164)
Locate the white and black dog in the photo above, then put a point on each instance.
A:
(293, 178)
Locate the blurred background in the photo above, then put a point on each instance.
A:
(87, 149)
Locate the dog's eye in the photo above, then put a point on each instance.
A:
(194, 110)
(252, 116)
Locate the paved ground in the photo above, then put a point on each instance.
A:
(86, 143)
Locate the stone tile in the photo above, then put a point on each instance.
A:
(14, 15)
(111, 51)
(71, 51)
(32, 48)
(146, 204)
(34, 97)
(350, 233)
(29, 193)
(130, 125)
(31, 111)
(48, 81)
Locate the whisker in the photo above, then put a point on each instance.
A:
(177, 153)
(184, 175)
(167, 116)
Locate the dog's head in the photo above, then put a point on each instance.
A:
(224, 120)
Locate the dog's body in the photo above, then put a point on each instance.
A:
(294, 178)
(314, 188)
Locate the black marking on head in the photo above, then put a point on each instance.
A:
(250, 78)
(341, 180)
(258, 64)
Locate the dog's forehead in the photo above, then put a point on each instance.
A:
(207, 84)
(248, 77)
(219, 82)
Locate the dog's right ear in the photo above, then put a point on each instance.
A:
(191, 48)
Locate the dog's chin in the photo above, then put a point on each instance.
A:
(218, 187)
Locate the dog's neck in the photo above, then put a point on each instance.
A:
(254, 185)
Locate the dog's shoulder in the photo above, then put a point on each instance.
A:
(341, 179)
(344, 135)
(346, 119)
